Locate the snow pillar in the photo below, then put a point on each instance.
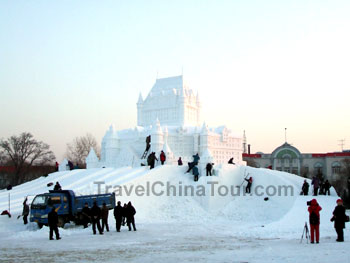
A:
(157, 138)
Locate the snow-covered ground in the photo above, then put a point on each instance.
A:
(206, 226)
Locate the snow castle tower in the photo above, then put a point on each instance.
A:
(171, 115)
(172, 102)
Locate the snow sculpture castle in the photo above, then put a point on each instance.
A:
(170, 114)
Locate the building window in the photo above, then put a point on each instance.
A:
(336, 168)
(318, 167)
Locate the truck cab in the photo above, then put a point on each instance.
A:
(43, 203)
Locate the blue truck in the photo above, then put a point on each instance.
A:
(67, 205)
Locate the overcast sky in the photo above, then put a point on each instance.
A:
(68, 68)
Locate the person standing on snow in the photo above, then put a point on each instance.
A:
(85, 212)
(151, 159)
(95, 218)
(327, 187)
(314, 220)
(208, 168)
(57, 187)
(179, 162)
(104, 217)
(195, 173)
(25, 211)
(305, 188)
(118, 215)
(130, 219)
(316, 183)
(249, 185)
(339, 218)
(162, 157)
(53, 222)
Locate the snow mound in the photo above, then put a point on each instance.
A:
(169, 194)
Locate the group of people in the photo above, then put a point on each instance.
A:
(152, 158)
(95, 215)
(319, 187)
(193, 166)
(339, 218)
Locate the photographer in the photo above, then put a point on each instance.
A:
(314, 220)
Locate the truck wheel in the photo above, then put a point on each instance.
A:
(61, 222)
(40, 225)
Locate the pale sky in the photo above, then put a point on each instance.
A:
(68, 68)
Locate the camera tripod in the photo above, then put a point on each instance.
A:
(307, 234)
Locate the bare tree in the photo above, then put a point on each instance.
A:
(345, 171)
(23, 152)
(79, 148)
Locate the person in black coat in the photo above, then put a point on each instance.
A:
(25, 211)
(85, 212)
(130, 213)
(151, 159)
(249, 185)
(339, 218)
(70, 165)
(305, 188)
(118, 215)
(209, 167)
(57, 187)
(179, 162)
(327, 187)
(95, 218)
(53, 221)
(104, 216)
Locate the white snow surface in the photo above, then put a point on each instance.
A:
(203, 227)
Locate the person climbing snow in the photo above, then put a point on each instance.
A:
(195, 173)
(162, 157)
(194, 163)
(231, 161)
(151, 159)
(249, 185)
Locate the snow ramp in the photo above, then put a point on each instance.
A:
(169, 194)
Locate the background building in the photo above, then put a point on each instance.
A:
(289, 159)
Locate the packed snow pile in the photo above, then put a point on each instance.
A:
(168, 194)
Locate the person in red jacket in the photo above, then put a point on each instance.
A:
(162, 157)
(314, 220)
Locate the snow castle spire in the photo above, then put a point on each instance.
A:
(91, 159)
